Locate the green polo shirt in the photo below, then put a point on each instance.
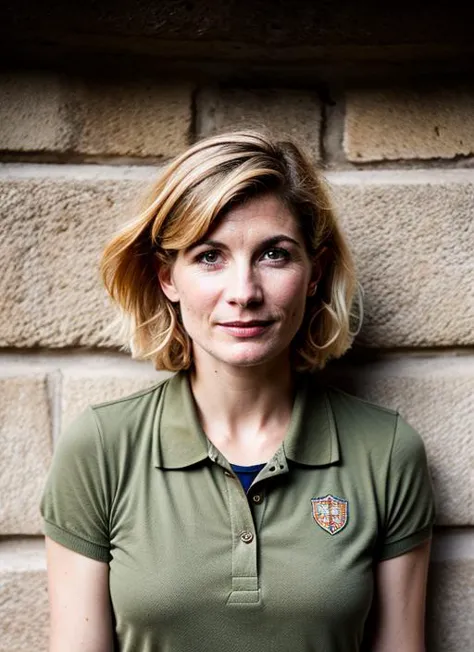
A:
(196, 565)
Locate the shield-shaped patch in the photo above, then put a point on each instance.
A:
(331, 513)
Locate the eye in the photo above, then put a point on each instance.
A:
(210, 257)
(277, 254)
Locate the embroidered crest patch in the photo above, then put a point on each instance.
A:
(330, 513)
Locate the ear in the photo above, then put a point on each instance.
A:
(165, 279)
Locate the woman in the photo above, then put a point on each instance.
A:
(241, 504)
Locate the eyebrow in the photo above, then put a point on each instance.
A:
(269, 242)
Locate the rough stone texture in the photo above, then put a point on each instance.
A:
(33, 113)
(24, 607)
(285, 113)
(142, 118)
(412, 235)
(450, 606)
(53, 232)
(402, 123)
(79, 392)
(48, 113)
(439, 403)
(26, 452)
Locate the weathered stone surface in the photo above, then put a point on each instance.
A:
(450, 606)
(23, 597)
(283, 112)
(107, 117)
(54, 227)
(412, 235)
(437, 398)
(402, 123)
(26, 452)
(79, 391)
(141, 118)
(33, 113)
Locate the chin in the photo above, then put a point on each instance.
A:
(253, 358)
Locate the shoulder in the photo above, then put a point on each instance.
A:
(377, 426)
(100, 425)
(361, 415)
(355, 405)
(128, 410)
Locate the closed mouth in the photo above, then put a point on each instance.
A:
(246, 324)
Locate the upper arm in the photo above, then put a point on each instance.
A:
(400, 585)
(409, 501)
(80, 610)
(76, 499)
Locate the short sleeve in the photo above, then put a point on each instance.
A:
(75, 503)
(409, 497)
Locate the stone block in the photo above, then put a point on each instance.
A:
(24, 625)
(283, 112)
(25, 433)
(33, 113)
(79, 391)
(437, 399)
(412, 235)
(450, 606)
(76, 116)
(54, 228)
(139, 118)
(403, 123)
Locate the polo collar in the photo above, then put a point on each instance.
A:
(181, 442)
(312, 434)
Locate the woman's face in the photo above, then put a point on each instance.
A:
(242, 289)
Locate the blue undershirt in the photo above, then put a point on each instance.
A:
(247, 474)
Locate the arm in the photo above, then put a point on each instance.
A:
(81, 617)
(400, 608)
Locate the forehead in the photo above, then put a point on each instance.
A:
(262, 216)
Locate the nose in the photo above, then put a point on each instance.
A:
(243, 286)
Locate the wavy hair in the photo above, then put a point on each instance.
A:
(194, 190)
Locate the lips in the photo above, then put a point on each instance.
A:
(246, 324)
(246, 329)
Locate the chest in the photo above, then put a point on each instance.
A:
(297, 551)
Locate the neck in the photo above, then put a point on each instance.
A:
(244, 411)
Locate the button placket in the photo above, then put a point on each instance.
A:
(244, 546)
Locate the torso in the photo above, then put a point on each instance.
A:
(196, 565)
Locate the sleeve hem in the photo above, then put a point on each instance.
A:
(77, 544)
(396, 548)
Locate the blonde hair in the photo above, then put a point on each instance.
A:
(197, 188)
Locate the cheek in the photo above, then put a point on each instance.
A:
(197, 300)
(291, 296)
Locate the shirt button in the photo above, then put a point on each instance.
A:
(246, 537)
(257, 498)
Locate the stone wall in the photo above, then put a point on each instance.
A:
(78, 152)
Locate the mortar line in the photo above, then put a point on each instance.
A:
(55, 381)
(95, 171)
